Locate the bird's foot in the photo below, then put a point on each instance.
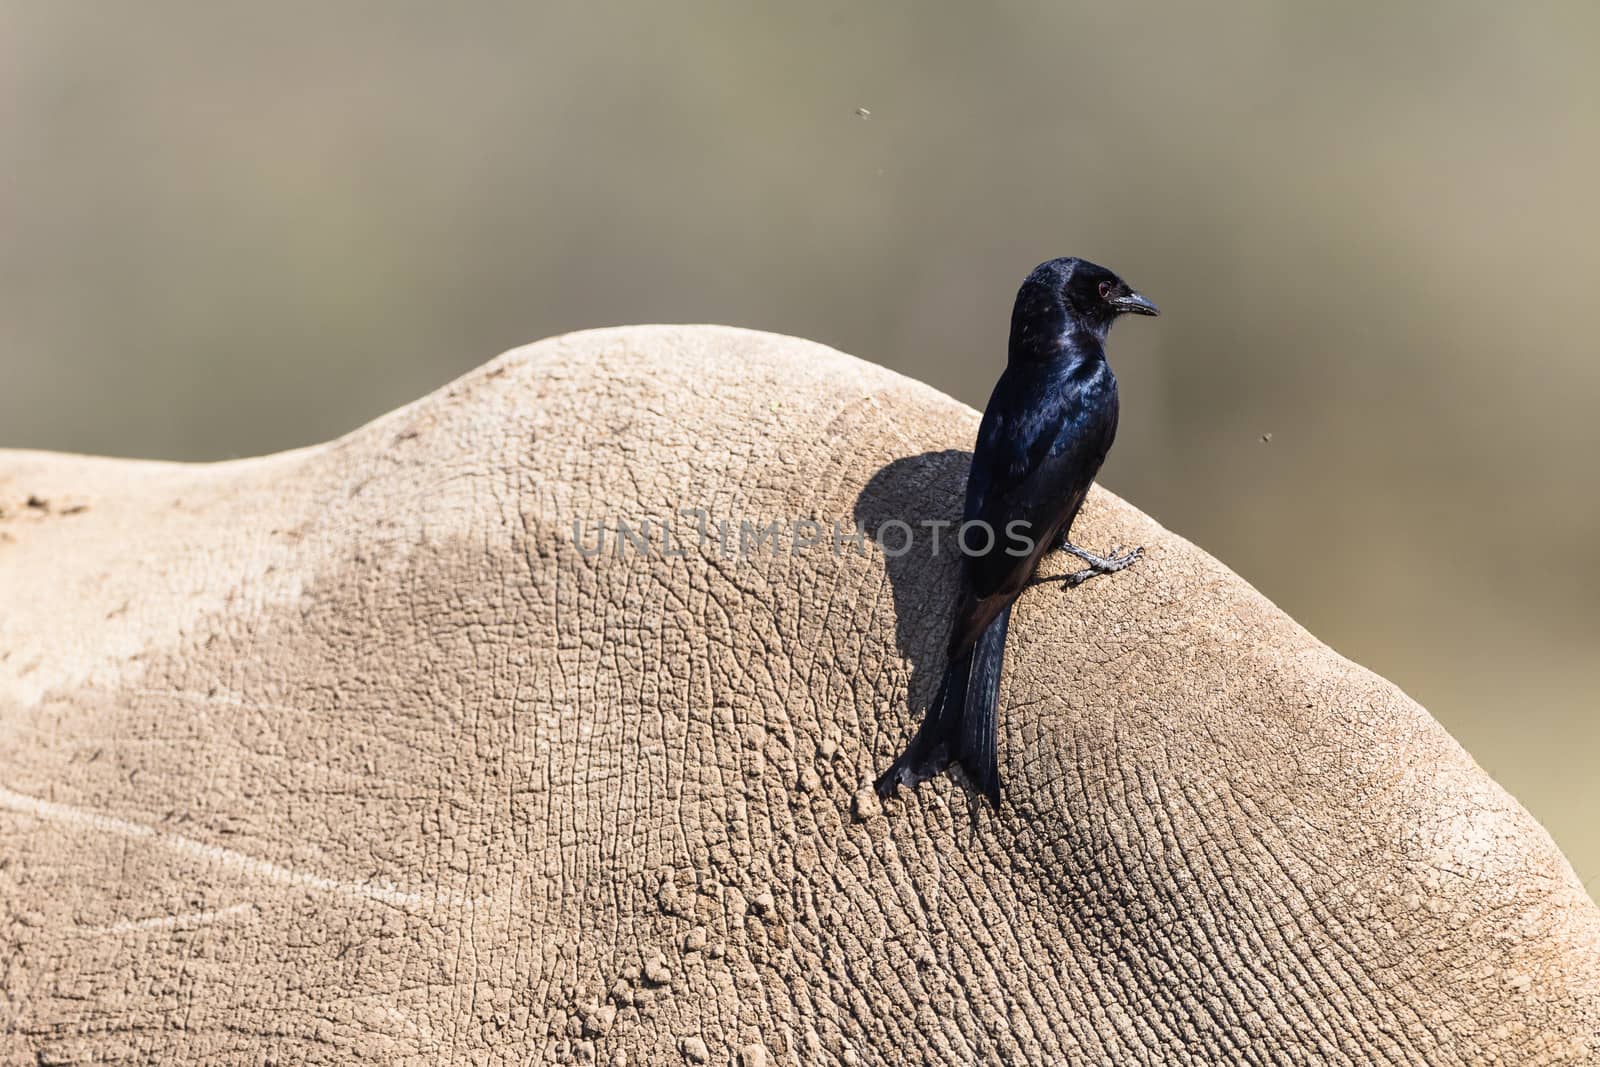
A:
(1107, 564)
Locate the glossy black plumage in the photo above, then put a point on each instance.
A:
(1046, 430)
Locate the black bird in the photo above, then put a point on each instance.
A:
(1045, 432)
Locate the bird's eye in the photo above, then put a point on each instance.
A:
(1105, 290)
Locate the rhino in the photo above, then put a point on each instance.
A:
(536, 722)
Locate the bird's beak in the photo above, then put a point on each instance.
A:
(1131, 302)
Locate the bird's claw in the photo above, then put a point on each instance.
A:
(1077, 578)
(1115, 561)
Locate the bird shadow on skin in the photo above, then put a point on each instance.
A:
(923, 492)
(926, 493)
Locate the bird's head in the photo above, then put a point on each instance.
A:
(1070, 296)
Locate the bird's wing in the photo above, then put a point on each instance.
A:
(1045, 501)
(1037, 475)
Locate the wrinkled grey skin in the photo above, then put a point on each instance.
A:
(353, 755)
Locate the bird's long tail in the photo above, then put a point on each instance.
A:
(962, 723)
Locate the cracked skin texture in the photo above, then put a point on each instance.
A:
(350, 755)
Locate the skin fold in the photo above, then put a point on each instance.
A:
(357, 754)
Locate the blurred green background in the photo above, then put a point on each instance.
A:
(1372, 230)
